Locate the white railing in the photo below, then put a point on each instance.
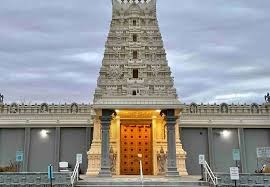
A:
(75, 174)
(141, 172)
(209, 173)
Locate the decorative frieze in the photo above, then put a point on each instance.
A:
(226, 109)
(45, 108)
(193, 109)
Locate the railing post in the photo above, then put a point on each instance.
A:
(205, 170)
(78, 171)
(141, 171)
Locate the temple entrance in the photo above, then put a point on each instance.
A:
(136, 139)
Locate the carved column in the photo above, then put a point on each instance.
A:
(94, 153)
(171, 162)
(105, 170)
(154, 138)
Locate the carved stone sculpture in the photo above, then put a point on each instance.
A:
(267, 98)
(74, 108)
(14, 108)
(162, 161)
(1, 98)
(224, 108)
(44, 108)
(193, 108)
(113, 157)
(254, 109)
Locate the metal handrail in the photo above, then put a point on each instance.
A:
(209, 172)
(141, 172)
(75, 174)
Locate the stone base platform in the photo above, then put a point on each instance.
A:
(149, 181)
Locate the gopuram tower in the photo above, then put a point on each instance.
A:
(136, 109)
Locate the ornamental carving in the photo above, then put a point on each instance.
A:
(267, 98)
(115, 72)
(113, 156)
(193, 108)
(254, 108)
(14, 108)
(224, 108)
(162, 161)
(74, 108)
(155, 70)
(117, 51)
(44, 108)
(153, 53)
(1, 98)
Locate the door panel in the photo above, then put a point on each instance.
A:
(136, 139)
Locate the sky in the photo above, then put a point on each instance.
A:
(51, 51)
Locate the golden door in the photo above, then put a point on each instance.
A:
(136, 139)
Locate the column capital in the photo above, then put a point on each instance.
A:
(167, 112)
(171, 120)
(105, 119)
(108, 112)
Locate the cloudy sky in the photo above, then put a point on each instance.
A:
(51, 50)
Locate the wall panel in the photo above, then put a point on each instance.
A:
(42, 150)
(194, 142)
(255, 138)
(73, 141)
(224, 141)
(11, 140)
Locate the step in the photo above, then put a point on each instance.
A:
(167, 185)
(160, 183)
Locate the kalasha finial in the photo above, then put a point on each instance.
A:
(267, 98)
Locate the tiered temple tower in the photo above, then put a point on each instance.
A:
(134, 64)
(135, 90)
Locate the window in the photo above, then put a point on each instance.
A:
(134, 92)
(135, 73)
(135, 55)
(135, 38)
(134, 22)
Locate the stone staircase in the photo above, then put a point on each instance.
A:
(150, 181)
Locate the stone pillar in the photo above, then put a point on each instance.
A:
(57, 148)
(171, 160)
(118, 135)
(180, 153)
(241, 139)
(155, 148)
(105, 170)
(211, 149)
(27, 141)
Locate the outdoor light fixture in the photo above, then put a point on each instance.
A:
(158, 111)
(44, 133)
(225, 133)
(117, 111)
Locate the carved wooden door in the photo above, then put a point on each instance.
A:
(136, 139)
